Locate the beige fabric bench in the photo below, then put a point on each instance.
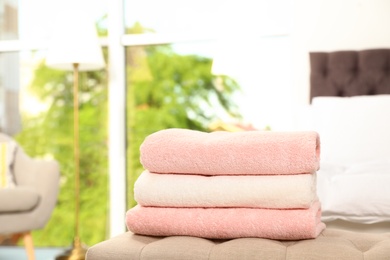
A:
(331, 244)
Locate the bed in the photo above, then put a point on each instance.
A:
(357, 215)
(350, 100)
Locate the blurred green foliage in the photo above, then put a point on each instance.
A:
(169, 90)
(50, 135)
(165, 90)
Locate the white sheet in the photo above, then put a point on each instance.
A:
(357, 193)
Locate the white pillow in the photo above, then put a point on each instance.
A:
(324, 184)
(352, 129)
(361, 198)
(356, 193)
(7, 151)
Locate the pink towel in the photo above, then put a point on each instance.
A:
(256, 191)
(226, 223)
(231, 153)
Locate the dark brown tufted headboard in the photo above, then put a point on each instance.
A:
(350, 73)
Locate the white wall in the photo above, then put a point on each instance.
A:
(332, 25)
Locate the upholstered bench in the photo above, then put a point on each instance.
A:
(331, 244)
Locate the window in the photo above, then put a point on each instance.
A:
(251, 39)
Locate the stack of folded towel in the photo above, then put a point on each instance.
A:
(225, 185)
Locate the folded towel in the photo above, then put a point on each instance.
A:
(226, 153)
(226, 223)
(261, 191)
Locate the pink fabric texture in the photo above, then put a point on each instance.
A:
(225, 185)
(226, 223)
(225, 153)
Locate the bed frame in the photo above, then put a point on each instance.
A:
(351, 73)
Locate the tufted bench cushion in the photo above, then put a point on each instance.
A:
(331, 244)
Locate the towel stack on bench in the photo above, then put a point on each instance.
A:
(224, 185)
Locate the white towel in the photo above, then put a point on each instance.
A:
(256, 191)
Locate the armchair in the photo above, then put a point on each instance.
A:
(28, 205)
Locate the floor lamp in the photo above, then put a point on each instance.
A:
(75, 46)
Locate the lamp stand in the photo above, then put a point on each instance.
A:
(78, 251)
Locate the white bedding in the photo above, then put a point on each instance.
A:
(352, 129)
(357, 193)
(354, 178)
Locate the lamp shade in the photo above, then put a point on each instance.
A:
(75, 40)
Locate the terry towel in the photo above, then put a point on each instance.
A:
(261, 191)
(231, 153)
(226, 223)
